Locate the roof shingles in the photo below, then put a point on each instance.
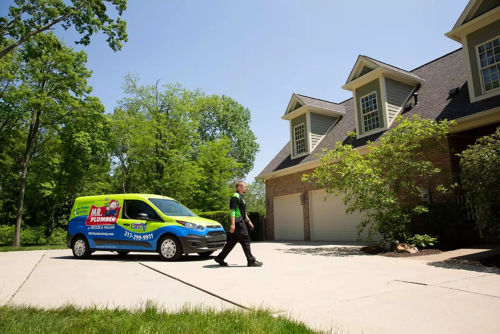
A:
(440, 76)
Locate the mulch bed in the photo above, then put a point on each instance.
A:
(491, 259)
(379, 251)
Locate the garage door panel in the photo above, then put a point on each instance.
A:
(288, 218)
(329, 221)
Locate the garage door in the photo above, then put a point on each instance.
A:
(288, 218)
(329, 220)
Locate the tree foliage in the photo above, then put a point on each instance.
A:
(386, 183)
(163, 143)
(28, 18)
(480, 178)
(255, 197)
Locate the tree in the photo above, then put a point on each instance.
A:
(158, 147)
(256, 196)
(221, 116)
(32, 17)
(480, 178)
(54, 82)
(385, 184)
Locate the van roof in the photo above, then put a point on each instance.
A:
(132, 196)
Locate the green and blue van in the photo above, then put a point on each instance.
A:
(126, 223)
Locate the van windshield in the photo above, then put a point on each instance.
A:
(171, 208)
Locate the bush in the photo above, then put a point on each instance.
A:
(57, 237)
(422, 241)
(6, 234)
(31, 236)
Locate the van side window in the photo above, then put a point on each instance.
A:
(134, 207)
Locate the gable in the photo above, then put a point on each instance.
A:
(474, 9)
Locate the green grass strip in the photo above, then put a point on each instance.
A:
(151, 319)
(26, 248)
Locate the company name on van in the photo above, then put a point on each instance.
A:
(103, 215)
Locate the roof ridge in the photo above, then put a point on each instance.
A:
(438, 58)
(399, 68)
(316, 98)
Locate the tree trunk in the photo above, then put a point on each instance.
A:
(35, 123)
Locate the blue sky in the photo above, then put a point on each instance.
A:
(259, 52)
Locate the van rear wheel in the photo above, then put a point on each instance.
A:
(170, 248)
(80, 248)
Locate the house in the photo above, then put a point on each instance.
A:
(463, 85)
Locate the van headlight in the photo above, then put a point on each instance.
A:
(192, 226)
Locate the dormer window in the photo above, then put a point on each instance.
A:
(310, 120)
(369, 110)
(299, 136)
(489, 58)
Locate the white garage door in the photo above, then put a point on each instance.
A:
(288, 218)
(329, 220)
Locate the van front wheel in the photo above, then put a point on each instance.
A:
(80, 248)
(170, 248)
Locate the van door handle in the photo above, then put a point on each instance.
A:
(126, 224)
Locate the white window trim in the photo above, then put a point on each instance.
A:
(381, 121)
(294, 142)
(490, 92)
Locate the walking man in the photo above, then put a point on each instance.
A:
(238, 231)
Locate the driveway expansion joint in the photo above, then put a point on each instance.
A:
(196, 287)
(449, 288)
(27, 277)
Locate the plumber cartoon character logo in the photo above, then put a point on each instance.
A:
(104, 215)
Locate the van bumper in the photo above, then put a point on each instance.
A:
(203, 243)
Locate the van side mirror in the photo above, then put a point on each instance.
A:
(142, 216)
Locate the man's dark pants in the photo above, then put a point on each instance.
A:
(240, 235)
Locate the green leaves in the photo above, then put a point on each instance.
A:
(386, 183)
(180, 143)
(29, 18)
(480, 178)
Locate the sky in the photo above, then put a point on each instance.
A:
(260, 52)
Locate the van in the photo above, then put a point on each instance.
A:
(126, 223)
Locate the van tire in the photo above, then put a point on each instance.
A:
(169, 248)
(80, 247)
(122, 253)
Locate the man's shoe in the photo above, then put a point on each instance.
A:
(255, 264)
(220, 262)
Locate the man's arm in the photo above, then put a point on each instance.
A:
(249, 222)
(233, 204)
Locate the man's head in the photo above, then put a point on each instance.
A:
(241, 187)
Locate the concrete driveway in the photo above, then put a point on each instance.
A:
(329, 287)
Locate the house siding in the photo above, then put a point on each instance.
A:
(473, 40)
(319, 126)
(364, 90)
(397, 94)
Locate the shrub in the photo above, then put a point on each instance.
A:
(422, 241)
(31, 236)
(6, 234)
(57, 237)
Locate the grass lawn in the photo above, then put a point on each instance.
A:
(70, 319)
(24, 248)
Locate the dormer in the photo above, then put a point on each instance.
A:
(478, 30)
(380, 92)
(310, 120)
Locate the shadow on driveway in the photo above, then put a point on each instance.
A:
(483, 262)
(135, 258)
